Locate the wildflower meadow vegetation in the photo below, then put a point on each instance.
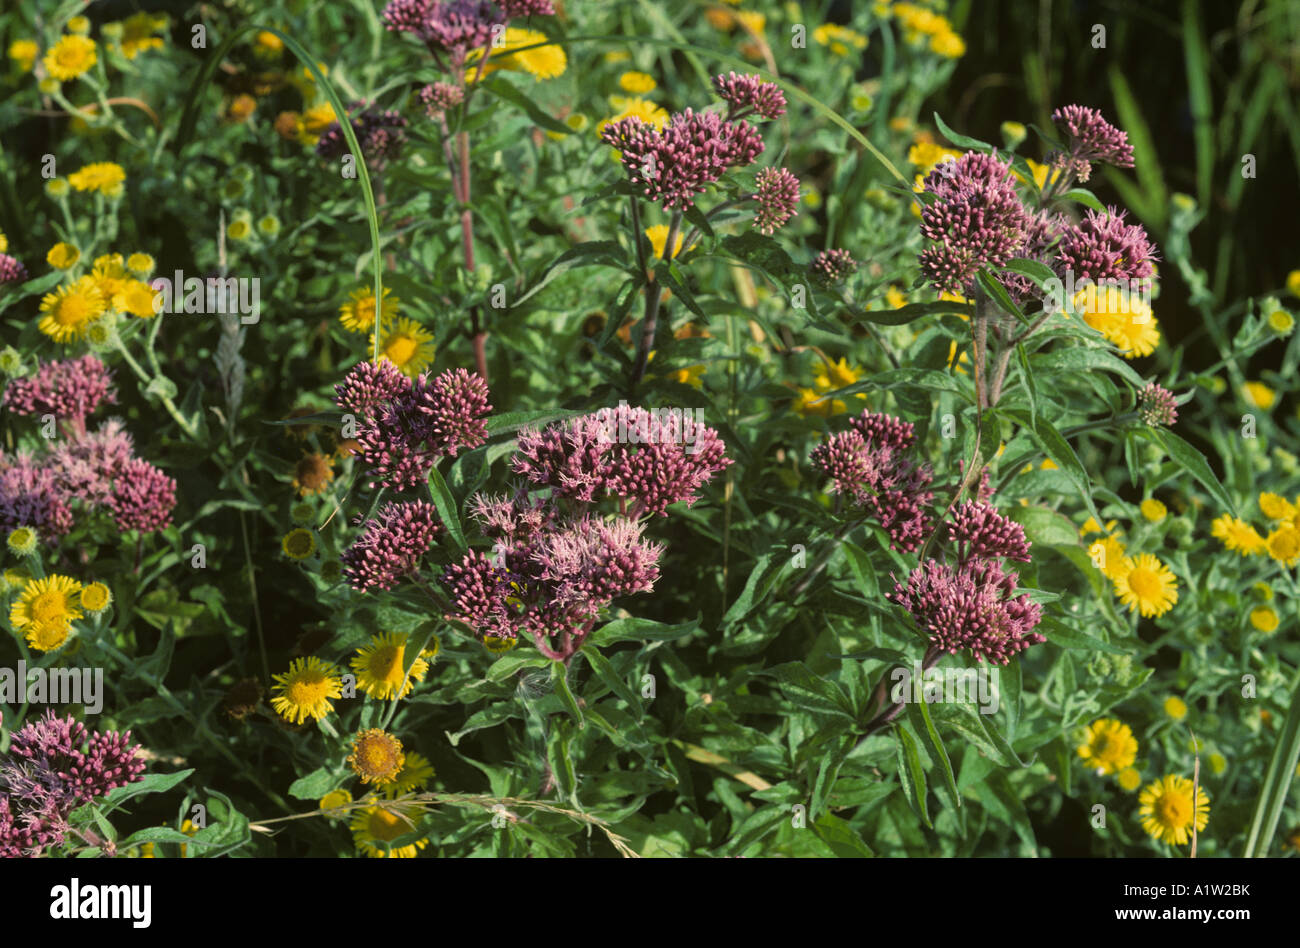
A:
(444, 428)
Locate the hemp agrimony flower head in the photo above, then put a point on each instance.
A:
(405, 426)
(1104, 247)
(53, 766)
(1156, 405)
(381, 135)
(971, 604)
(749, 95)
(391, 545)
(694, 150)
(440, 97)
(453, 27)
(1091, 138)
(11, 270)
(69, 389)
(871, 466)
(975, 220)
(143, 498)
(832, 266)
(652, 459)
(777, 197)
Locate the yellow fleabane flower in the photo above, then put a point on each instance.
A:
(1168, 810)
(1109, 746)
(70, 57)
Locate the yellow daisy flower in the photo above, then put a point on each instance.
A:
(96, 597)
(63, 256)
(836, 375)
(407, 345)
(1153, 510)
(1125, 320)
(541, 62)
(808, 402)
(46, 604)
(1276, 507)
(644, 109)
(23, 53)
(305, 690)
(658, 237)
(1108, 554)
(1283, 544)
(1167, 809)
(376, 756)
(375, 826)
(1146, 585)
(949, 45)
(312, 123)
(298, 544)
(1237, 535)
(638, 83)
(1259, 395)
(70, 57)
(1264, 619)
(1128, 779)
(1175, 707)
(138, 33)
(358, 314)
(381, 667)
(312, 474)
(335, 799)
(140, 263)
(1109, 746)
(68, 310)
(106, 177)
(135, 297)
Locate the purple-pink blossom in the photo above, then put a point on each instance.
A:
(749, 94)
(68, 389)
(391, 545)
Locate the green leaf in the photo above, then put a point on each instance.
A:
(842, 838)
(912, 312)
(507, 665)
(1040, 273)
(911, 774)
(1044, 525)
(607, 673)
(961, 141)
(152, 783)
(503, 89)
(1195, 464)
(640, 630)
(313, 786)
(1277, 781)
(1086, 198)
(761, 579)
(590, 254)
(1151, 180)
(1084, 359)
(560, 676)
(919, 712)
(993, 286)
(1060, 634)
(446, 504)
(810, 691)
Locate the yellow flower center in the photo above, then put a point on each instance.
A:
(1174, 810)
(308, 690)
(386, 826)
(1145, 583)
(400, 349)
(386, 664)
(72, 311)
(48, 608)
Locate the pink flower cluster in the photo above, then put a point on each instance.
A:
(11, 270)
(557, 560)
(455, 27)
(694, 150)
(405, 426)
(1091, 138)
(53, 766)
(976, 220)
(648, 458)
(871, 465)
(391, 545)
(972, 604)
(68, 389)
(551, 572)
(96, 470)
(832, 266)
(381, 135)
